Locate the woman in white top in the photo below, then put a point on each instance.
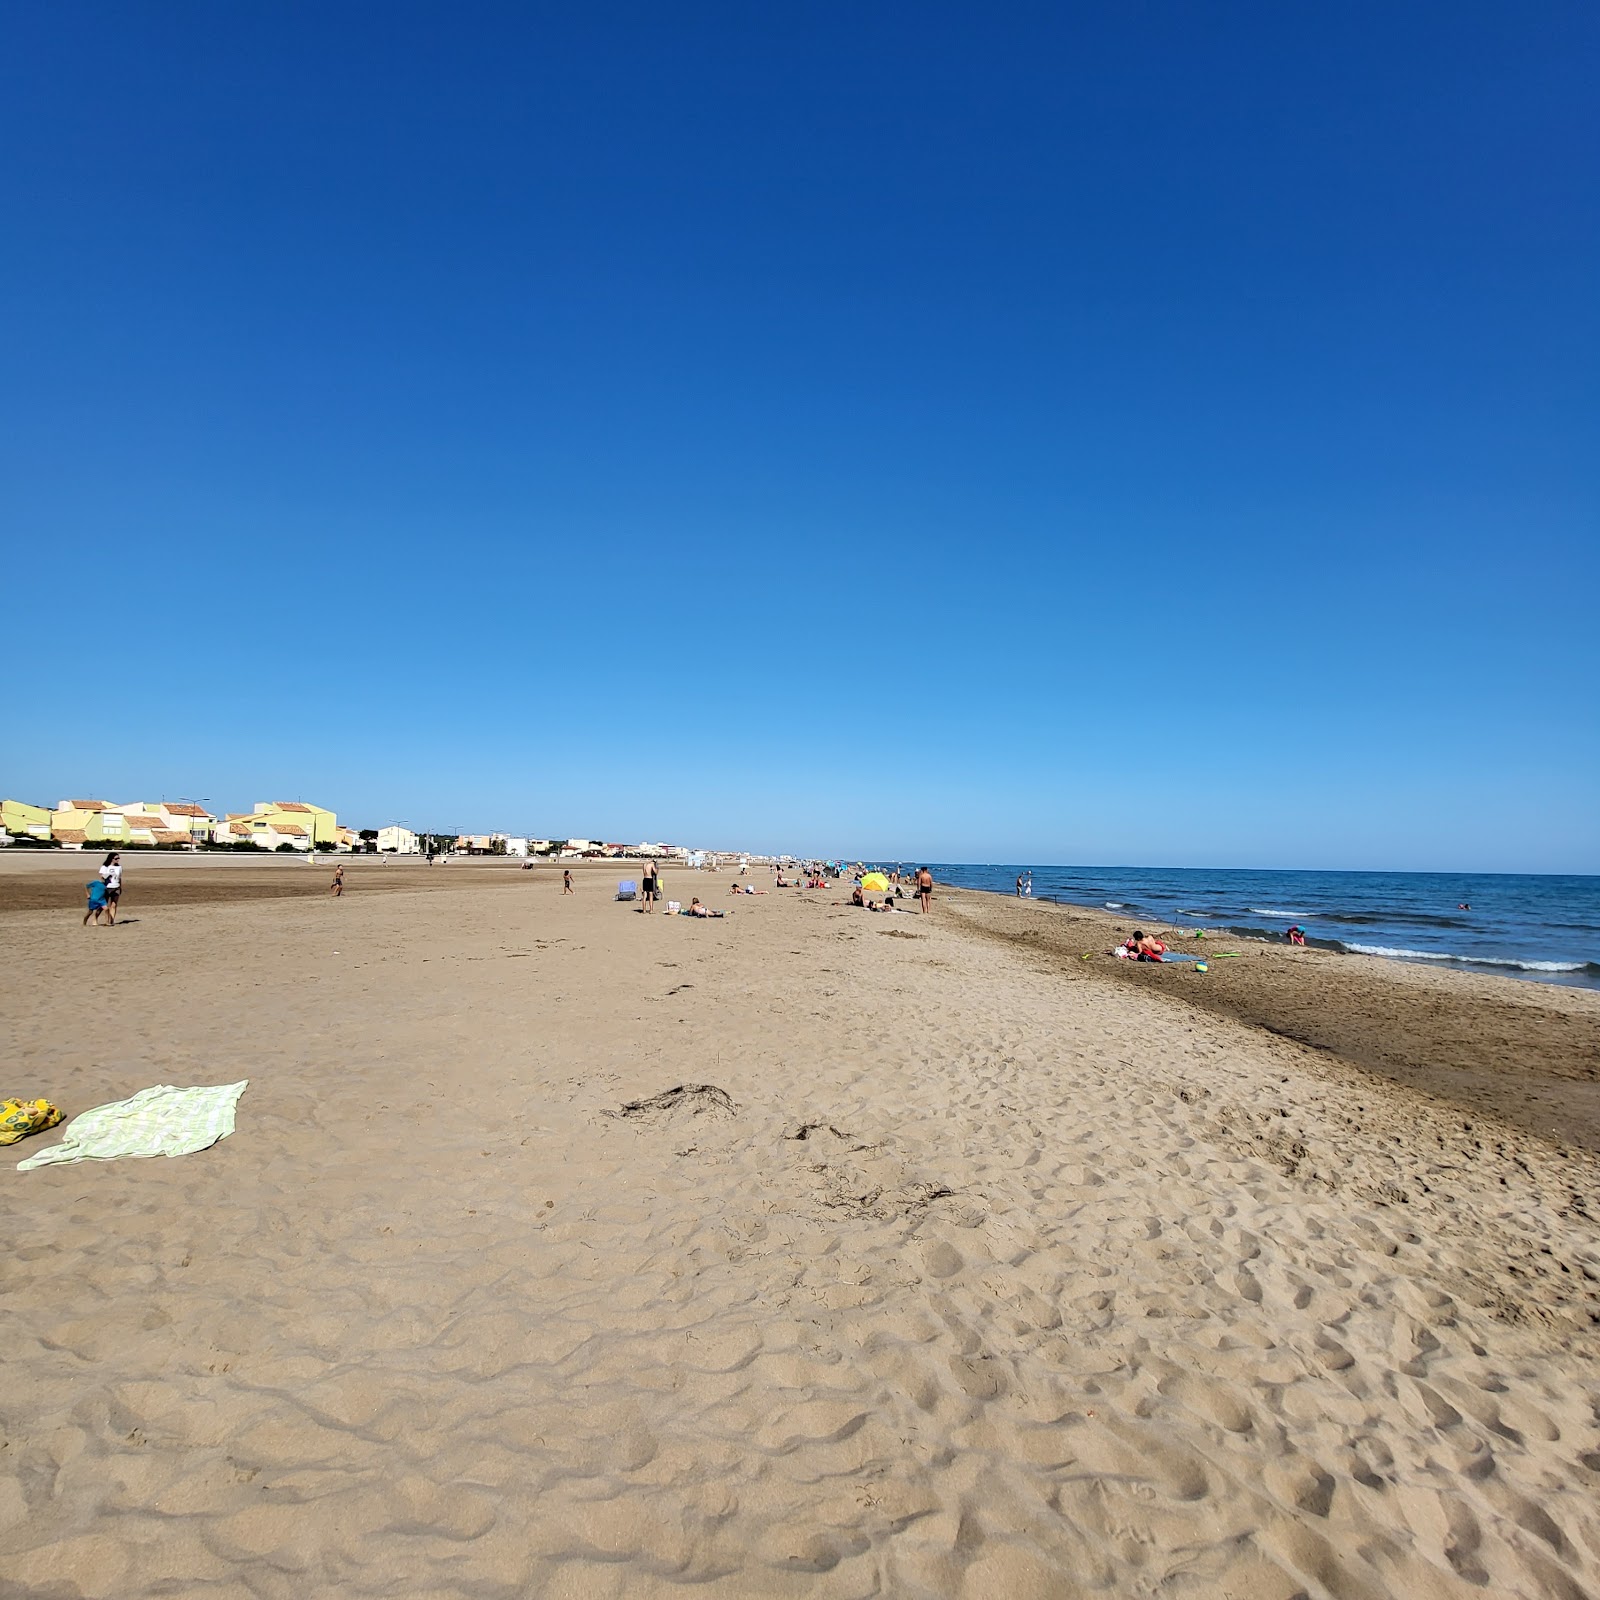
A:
(111, 871)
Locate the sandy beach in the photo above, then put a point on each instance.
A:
(963, 1266)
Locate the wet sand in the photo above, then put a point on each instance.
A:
(957, 1269)
(43, 880)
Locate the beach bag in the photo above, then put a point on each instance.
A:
(19, 1118)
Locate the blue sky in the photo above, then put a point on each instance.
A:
(1135, 433)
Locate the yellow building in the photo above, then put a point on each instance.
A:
(275, 822)
(17, 816)
(286, 815)
(191, 819)
(84, 822)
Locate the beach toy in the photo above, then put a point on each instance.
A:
(1200, 966)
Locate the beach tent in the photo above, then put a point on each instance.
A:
(875, 882)
(627, 889)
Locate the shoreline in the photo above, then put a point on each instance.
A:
(1388, 928)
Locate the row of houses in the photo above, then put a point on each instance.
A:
(271, 825)
(75, 824)
(511, 844)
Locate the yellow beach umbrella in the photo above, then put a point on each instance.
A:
(875, 881)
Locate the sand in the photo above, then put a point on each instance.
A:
(963, 1274)
(1521, 1052)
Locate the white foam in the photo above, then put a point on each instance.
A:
(1116, 905)
(1272, 911)
(1471, 961)
(1528, 966)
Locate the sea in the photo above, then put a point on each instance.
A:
(1540, 927)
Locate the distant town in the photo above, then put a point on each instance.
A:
(282, 825)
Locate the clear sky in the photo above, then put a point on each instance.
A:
(1133, 433)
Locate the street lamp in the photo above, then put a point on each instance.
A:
(204, 802)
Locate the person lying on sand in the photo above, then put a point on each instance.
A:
(1140, 948)
(698, 910)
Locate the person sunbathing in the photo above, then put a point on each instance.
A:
(856, 896)
(1141, 948)
(698, 910)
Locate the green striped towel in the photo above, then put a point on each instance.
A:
(162, 1121)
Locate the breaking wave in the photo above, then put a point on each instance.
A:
(1471, 961)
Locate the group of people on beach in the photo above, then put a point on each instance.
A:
(922, 883)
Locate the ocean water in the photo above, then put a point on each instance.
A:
(1545, 928)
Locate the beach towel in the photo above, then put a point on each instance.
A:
(19, 1118)
(162, 1121)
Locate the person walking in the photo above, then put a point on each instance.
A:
(566, 880)
(111, 873)
(1019, 886)
(924, 889)
(97, 901)
(336, 888)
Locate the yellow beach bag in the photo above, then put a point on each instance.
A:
(19, 1118)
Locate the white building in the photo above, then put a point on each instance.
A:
(236, 830)
(395, 840)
